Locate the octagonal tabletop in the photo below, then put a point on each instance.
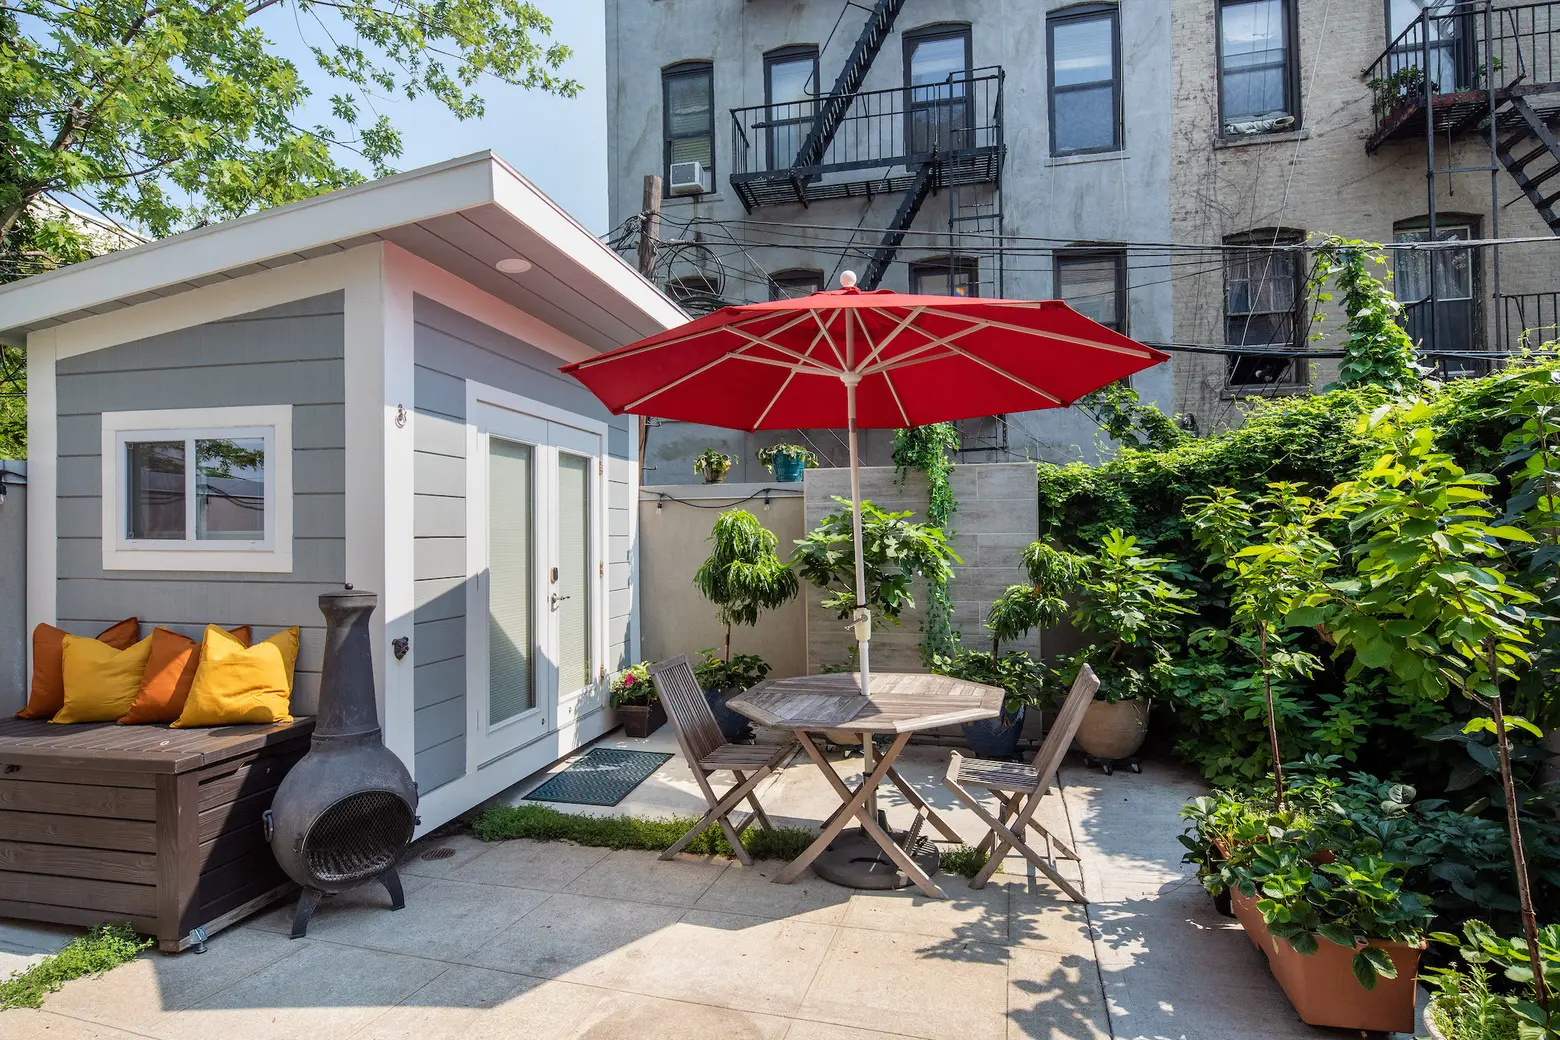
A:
(900, 702)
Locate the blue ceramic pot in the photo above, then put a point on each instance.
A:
(733, 725)
(789, 469)
(995, 738)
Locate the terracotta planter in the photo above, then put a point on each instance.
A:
(641, 720)
(1114, 730)
(1321, 986)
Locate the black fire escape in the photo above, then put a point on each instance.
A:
(1485, 70)
(909, 141)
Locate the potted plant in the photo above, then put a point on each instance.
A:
(743, 575)
(637, 702)
(1017, 674)
(1129, 608)
(721, 679)
(713, 465)
(1466, 1006)
(787, 461)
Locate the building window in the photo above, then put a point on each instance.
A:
(1083, 48)
(794, 284)
(790, 85)
(946, 276)
(688, 120)
(1446, 33)
(1262, 307)
(1258, 66)
(1450, 322)
(1094, 283)
(198, 489)
(938, 116)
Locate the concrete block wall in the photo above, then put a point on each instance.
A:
(998, 514)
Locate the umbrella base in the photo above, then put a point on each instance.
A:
(854, 860)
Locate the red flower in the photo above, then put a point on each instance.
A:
(630, 679)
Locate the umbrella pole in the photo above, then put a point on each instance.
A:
(862, 620)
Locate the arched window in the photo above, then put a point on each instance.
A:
(794, 282)
(688, 122)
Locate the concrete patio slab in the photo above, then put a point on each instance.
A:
(25, 943)
(549, 941)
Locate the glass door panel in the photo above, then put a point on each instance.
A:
(573, 606)
(511, 580)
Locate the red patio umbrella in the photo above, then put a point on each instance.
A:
(865, 360)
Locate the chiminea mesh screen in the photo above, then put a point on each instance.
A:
(358, 837)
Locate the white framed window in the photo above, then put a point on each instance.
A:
(198, 489)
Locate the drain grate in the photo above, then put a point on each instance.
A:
(442, 852)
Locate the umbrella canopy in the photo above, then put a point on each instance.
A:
(864, 360)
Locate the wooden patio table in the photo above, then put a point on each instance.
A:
(900, 703)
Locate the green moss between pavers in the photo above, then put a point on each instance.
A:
(540, 823)
(106, 946)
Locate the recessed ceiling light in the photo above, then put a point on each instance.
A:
(514, 265)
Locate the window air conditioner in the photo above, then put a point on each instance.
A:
(687, 178)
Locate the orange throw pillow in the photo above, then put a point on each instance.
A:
(169, 672)
(48, 678)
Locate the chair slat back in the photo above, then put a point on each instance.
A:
(689, 713)
(1049, 758)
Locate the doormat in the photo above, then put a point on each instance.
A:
(603, 776)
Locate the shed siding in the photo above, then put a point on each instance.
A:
(449, 349)
(288, 354)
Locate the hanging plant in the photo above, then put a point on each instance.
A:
(931, 449)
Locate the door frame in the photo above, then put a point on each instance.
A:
(480, 396)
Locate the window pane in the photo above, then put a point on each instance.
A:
(790, 79)
(1085, 119)
(1089, 285)
(230, 489)
(155, 489)
(692, 149)
(511, 577)
(1261, 303)
(792, 286)
(942, 279)
(933, 61)
(688, 104)
(1254, 52)
(1082, 52)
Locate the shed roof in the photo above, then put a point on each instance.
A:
(463, 215)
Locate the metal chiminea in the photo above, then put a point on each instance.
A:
(345, 813)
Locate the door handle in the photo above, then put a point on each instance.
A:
(557, 599)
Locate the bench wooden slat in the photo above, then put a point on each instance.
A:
(83, 831)
(114, 803)
(69, 860)
(106, 897)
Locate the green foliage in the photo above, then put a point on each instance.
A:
(540, 823)
(179, 113)
(743, 575)
(713, 464)
(1117, 409)
(1463, 1006)
(741, 672)
(895, 551)
(965, 860)
(634, 686)
(103, 948)
(1376, 348)
(767, 456)
(931, 449)
(1464, 999)
(1026, 682)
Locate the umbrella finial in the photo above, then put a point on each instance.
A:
(847, 279)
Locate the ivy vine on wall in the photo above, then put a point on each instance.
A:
(931, 450)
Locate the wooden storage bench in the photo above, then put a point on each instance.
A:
(153, 826)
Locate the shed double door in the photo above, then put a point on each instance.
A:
(534, 637)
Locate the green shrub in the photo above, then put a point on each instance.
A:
(540, 823)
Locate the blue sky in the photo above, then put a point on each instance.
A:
(560, 144)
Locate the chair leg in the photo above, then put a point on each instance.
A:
(719, 810)
(758, 810)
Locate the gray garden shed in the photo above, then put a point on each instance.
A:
(361, 387)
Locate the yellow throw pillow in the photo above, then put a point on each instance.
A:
(238, 684)
(100, 682)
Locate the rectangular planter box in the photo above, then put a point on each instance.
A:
(1321, 986)
(157, 827)
(641, 720)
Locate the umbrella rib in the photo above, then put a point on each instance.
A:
(803, 359)
(915, 312)
(940, 341)
(735, 355)
(897, 402)
(1041, 333)
(1006, 374)
(619, 355)
(823, 330)
(785, 383)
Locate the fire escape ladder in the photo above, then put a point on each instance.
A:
(832, 109)
(909, 206)
(1533, 168)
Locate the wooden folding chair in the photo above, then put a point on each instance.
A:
(1020, 787)
(708, 752)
